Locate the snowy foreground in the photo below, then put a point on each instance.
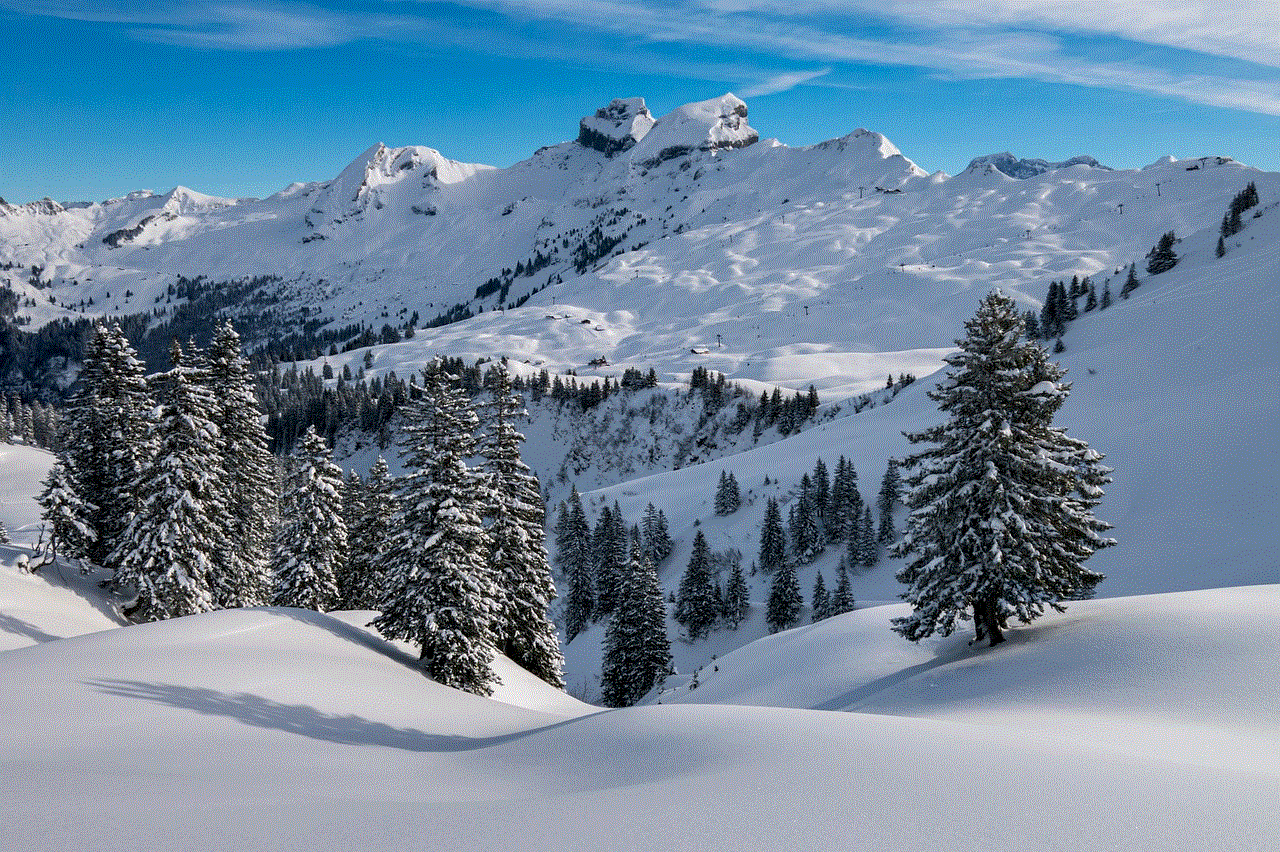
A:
(1130, 723)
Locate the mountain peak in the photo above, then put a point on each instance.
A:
(705, 125)
(616, 127)
(1021, 169)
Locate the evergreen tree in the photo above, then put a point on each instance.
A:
(728, 497)
(574, 560)
(311, 545)
(785, 601)
(1221, 250)
(1106, 296)
(108, 425)
(869, 552)
(610, 546)
(1032, 325)
(440, 592)
(4, 534)
(886, 500)
(821, 600)
(1001, 518)
(65, 513)
(637, 652)
(361, 578)
(657, 540)
(1090, 303)
(821, 494)
(1162, 257)
(806, 534)
(737, 598)
(842, 598)
(1130, 282)
(518, 556)
(773, 541)
(244, 578)
(168, 552)
(695, 601)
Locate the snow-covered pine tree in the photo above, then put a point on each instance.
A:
(518, 554)
(107, 427)
(1130, 282)
(773, 540)
(440, 593)
(728, 496)
(575, 562)
(361, 578)
(311, 545)
(637, 652)
(806, 533)
(696, 608)
(821, 599)
(610, 545)
(737, 597)
(1162, 257)
(785, 601)
(352, 511)
(842, 596)
(870, 550)
(886, 500)
(1001, 504)
(250, 470)
(657, 540)
(169, 549)
(66, 515)
(821, 495)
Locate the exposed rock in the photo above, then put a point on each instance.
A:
(1021, 169)
(617, 127)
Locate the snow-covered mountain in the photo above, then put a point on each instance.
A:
(675, 243)
(684, 232)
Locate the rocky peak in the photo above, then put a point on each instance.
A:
(616, 127)
(1021, 169)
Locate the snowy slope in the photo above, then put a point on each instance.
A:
(286, 729)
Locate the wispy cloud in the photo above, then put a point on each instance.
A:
(782, 82)
(1193, 50)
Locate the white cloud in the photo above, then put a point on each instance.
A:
(782, 82)
(1234, 47)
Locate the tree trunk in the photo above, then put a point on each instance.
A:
(987, 615)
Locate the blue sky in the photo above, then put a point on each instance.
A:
(236, 98)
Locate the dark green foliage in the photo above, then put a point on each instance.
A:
(821, 599)
(1001, 501)
(728, 497)
(886, 500)
(311, 545)
(1130, 282)
(440, 592)
(842, 597)
(737, 598)
(773, 541)
(696, 608)
(637, 652)
(785, 601)
(244, 578)
(1162, 257)
(518, 553)
(575, 562)
(169, 550)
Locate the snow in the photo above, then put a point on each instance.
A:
(1142, 720)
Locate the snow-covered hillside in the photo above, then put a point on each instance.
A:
(1137, 724)
(1143, 719)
